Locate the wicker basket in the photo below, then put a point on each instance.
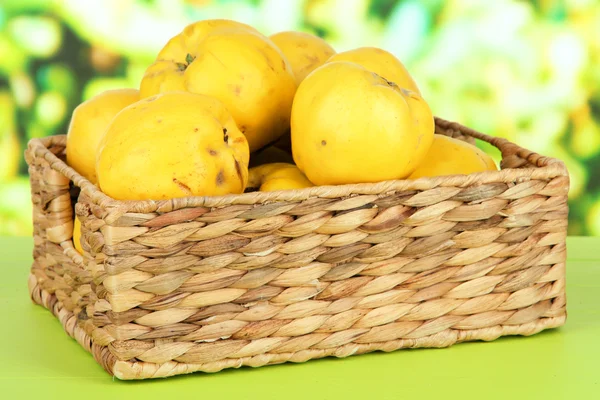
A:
(206, 283)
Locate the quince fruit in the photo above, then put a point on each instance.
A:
(381, 62)
(170, 145)
(88, 124)
(77, 235)
(304, 51)
(235, 64)
(350, 125)
(449, 156)
(277, 176)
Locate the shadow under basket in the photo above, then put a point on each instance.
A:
(207, 283)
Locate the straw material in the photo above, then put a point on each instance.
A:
(206, 283)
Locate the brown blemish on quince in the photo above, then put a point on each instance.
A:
(220, 178)
(312, 58)
(238, 169)
(183, 187)
(225, 136)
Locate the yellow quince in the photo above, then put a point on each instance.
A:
(170, 145)
(350, 125)
(88, 124)
(77, 235)
(449, 156)
(304, 51)
(277, 176)
(381, 62)
(235, 64)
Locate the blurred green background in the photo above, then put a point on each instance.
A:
(524, 70)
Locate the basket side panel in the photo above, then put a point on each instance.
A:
(250, 285)
(57, 267)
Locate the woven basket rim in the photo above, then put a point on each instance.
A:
(547, 168)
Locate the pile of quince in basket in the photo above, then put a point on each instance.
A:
(224, 109)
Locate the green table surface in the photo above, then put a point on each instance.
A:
(40, 361)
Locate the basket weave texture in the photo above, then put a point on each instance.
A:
(206, 283)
